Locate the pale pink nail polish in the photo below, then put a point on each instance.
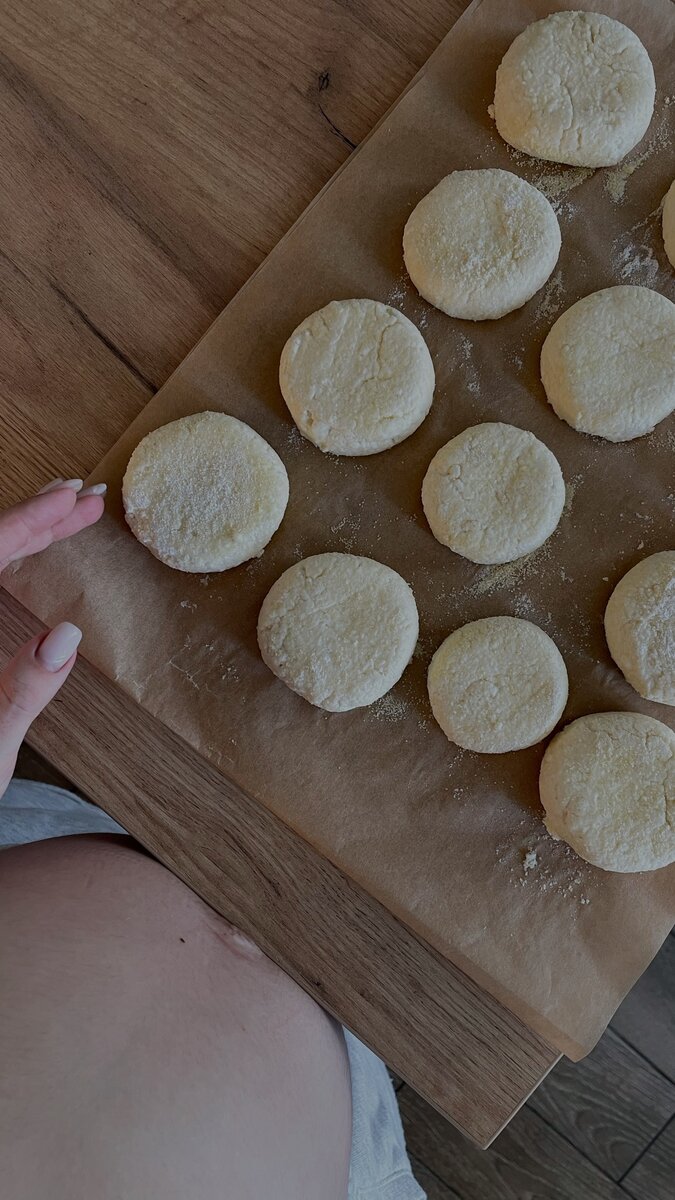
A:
(49, 487)
(58, 646)
(96, 489)
(58, 485)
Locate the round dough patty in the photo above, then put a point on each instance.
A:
(493, 493)
(338, 629)
(608, 363)
(204, 493)
(357, 377)
(640, 627)
(575, 88)
(669, 223)
(498, 684)
(607, 783)
(481, 243)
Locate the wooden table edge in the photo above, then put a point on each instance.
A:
(469, 1056)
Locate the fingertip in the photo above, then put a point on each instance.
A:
(59, 647)
(91, 507)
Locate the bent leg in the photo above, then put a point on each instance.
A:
(147, 1050)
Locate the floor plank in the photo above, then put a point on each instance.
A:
(610, 1105)
(653, 1177)
(529, 1160)
(646, 1018)
(433, 1187)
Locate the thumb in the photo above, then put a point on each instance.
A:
(29, 682)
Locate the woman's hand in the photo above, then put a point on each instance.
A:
(36, 673)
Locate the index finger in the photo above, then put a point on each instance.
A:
(27, 527)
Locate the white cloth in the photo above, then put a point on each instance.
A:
(379, 1168)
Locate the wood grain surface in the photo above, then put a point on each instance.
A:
(529, 1160)
(152, 154)
(470, 1057)
(609, 1106)
(652, 1177)
(646, 1018)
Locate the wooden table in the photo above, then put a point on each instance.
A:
(153, 151)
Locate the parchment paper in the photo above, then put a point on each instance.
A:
(438, 835)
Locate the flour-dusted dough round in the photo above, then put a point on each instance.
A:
(493, 493)
(498, 684)
(669, 223)
(338, 629)
(607, 783)
(575, 88)
(481, 243)
(608, 363)
(640, 627)
(357, 377)
(204, 493)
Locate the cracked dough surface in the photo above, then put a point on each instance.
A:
(204, 493)
(497, 684)
(575, 88)
(669, 224)
(481, 243)
(607, 783)
(493, 493)
(338, 629)
(640, 627)
(608, 363)
(357, 377)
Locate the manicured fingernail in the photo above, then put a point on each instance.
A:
(57, 485)
(58, 646)
(96, 489)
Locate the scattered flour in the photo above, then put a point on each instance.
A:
(556, 182)
(471, 382)
(188, 604)
(552, 299)
(638, 265)
(399, 291)
(617, 177)
(346, 529)
(523, 606)
(509, 575)
(664, 438)
(295, 440)
(551, 869)
(390, 708)
(571, 486)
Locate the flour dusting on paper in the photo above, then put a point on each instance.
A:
(617, 177)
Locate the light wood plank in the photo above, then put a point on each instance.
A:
(610, 1105)
(528, 1160)
(646, 1019)
(154, 153)
(454, 1043)
(653, 1177)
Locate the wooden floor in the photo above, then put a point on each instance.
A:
(601, 1129)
